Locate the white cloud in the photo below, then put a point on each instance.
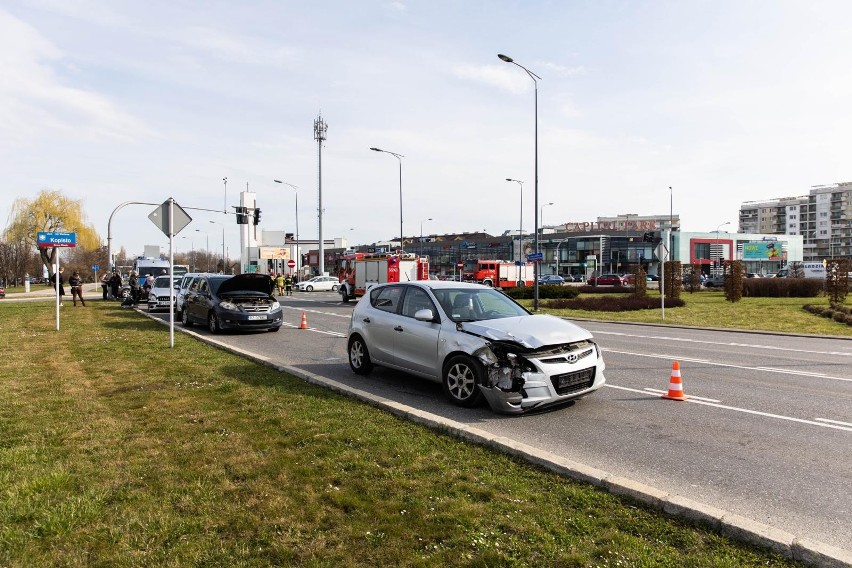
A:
(231, 48)
(35, 101)
(495, 75)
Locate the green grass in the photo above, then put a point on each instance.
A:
(710, 309)
(116, 450)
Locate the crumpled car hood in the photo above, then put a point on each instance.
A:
(533, 331)
(247, 283)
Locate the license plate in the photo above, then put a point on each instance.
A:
(253, 318)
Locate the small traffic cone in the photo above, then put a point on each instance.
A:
(675, 384)
(304, 324)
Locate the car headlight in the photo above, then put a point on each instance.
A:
(275, 305)
(229, 306)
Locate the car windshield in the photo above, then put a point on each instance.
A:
(161, 282)
(466, 304)
(216, 281)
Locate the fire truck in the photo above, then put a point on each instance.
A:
(498, 273)
(359, 271)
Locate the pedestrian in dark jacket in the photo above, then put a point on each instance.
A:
(76, 283)
(115, 284)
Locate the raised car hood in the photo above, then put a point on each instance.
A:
(533, 331)
(247, 283)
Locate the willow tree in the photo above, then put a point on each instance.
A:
(49, 211)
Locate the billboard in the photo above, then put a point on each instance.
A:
(762, 250)
(274, 253)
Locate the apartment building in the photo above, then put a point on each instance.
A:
(823, 218)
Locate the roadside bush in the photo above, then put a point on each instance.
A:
(692, 277)
(674, 280)
(734, 277)
(640, 284)
(587, 289)
(547, 291)
(621, 304)
(782, 287)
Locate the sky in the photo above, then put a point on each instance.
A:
(721, 101)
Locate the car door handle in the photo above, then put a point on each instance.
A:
(398, 328)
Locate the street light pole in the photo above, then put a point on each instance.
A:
(207, 250)
(717, 238)
(535, 78)
(398, 157)
(223, 245)
(298, 258)
(521, 225)
(421, 234)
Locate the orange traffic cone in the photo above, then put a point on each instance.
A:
(304, 324)
(675, 384)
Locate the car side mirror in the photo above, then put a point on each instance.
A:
(424, 315)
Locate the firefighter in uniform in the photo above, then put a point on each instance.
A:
(279, 283)
(288, 285)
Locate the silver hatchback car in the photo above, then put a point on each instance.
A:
(477, 342)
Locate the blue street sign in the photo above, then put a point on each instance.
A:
(535, 257)
(55, 239)
(95, 266)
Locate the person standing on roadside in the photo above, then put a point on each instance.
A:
(288, 285)
(279, 283)
(135, 290)
(105, 285)
(76, 283)
(59, 284)
(115, 284)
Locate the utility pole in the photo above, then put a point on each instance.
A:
(320, 129)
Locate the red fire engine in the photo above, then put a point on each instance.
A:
(359, 271)
(498, 273)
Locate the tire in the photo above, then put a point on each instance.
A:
(334, 288)
(359, 356)
(461, 378)
(213, 323)
(124, 294)
(488, 283)
(521, 284)
(309, 288)
(184, 318)
(344, 297)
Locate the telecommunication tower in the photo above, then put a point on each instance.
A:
(320, 128)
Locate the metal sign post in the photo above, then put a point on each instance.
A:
(171, 219)
(47, 239)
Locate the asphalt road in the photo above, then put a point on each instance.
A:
(766, 434)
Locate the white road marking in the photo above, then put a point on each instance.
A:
(332, 333)
(725, 343)
(716, 364)
(834, 422)
(690, 396)
(347, 316)
(694, 400)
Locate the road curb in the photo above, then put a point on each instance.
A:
(806, 551)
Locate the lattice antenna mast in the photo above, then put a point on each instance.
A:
(320, 129)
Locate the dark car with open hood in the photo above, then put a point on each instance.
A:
(241, 302)
(477, 342)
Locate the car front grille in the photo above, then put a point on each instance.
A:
(567, 383)
(255, 308)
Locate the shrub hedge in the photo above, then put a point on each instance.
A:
(545, 291)
(836, 312)
(782, 287)
(622, 304)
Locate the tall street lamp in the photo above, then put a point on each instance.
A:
(398, 157)
(717, 238)
(541, 215)
(535, 78)
(223, 245)
(421, 234)
(521, 225)
(207, 250)
(298, 258)
(192, 245)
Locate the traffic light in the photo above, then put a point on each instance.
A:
(242, 216)
(256, 216)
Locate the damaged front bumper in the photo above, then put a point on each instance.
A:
(518, 380)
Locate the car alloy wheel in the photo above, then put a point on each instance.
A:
(359, 356)
(213, 323)
(461, 377)
(334, 288)
(309, 288)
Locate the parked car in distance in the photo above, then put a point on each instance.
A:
(2, 292)
(753, 275)
(606, 280)
(553, 279)
(164, 287)
(477, 342)
(653, 278)
(628, 279)
(243, 302)
(320, 284)
(183, 286)
(717, 281)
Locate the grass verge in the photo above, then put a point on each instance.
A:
(118, 451)
(710, 309)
